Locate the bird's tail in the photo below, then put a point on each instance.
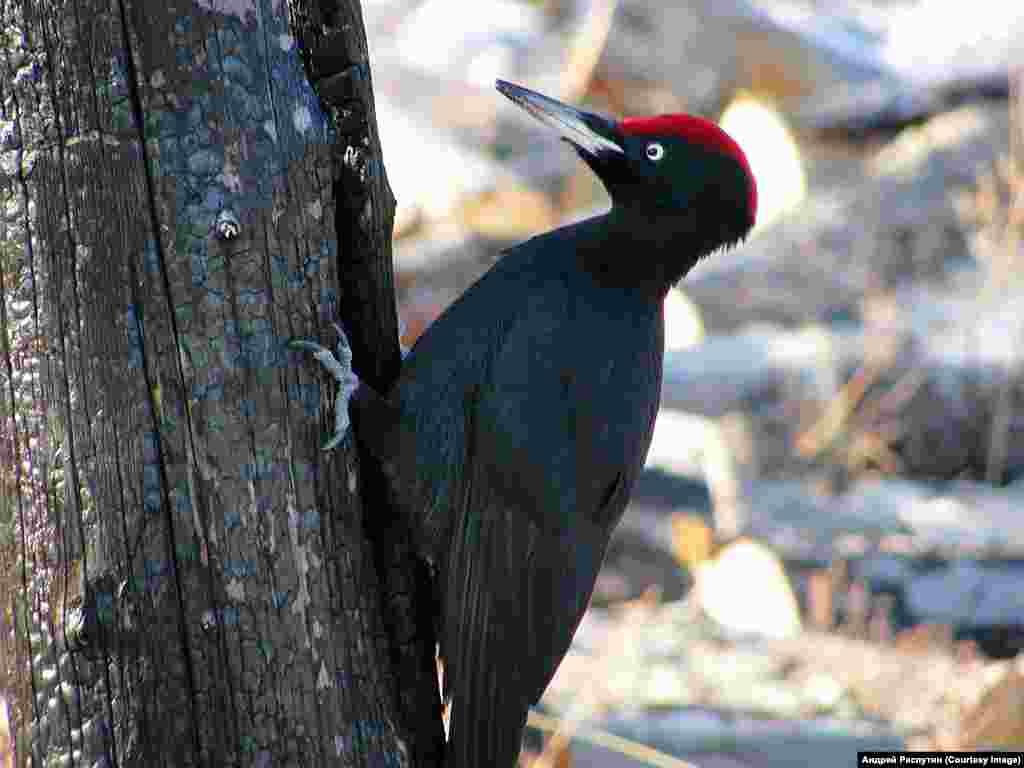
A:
(485, 730)
(482, 650)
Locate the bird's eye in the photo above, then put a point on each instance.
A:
(655, 151)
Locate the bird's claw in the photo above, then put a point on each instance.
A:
(340, 368)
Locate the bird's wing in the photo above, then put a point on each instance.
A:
(544, 484)
(514, 595)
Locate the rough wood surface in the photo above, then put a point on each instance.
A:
(188, 577)
(334, 47)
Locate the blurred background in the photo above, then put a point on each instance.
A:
(825, 551)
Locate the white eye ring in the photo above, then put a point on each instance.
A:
(655, 151)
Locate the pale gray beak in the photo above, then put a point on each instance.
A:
(591, 133)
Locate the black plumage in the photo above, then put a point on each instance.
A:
(522, 417)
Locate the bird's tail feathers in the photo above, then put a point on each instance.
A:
(488, 707)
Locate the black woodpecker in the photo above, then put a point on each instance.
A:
(522, 416)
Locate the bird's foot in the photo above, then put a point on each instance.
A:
(340, 368)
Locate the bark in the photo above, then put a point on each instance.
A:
(333, 41)
(185, 574)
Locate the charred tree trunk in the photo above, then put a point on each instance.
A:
(186, 577)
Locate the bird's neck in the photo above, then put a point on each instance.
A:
(636, 249)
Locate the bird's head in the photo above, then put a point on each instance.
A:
(675, 172)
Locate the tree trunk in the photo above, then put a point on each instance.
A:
(187, 575)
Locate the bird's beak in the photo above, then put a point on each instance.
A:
(588, 132)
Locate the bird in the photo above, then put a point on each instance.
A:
(522, 416)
